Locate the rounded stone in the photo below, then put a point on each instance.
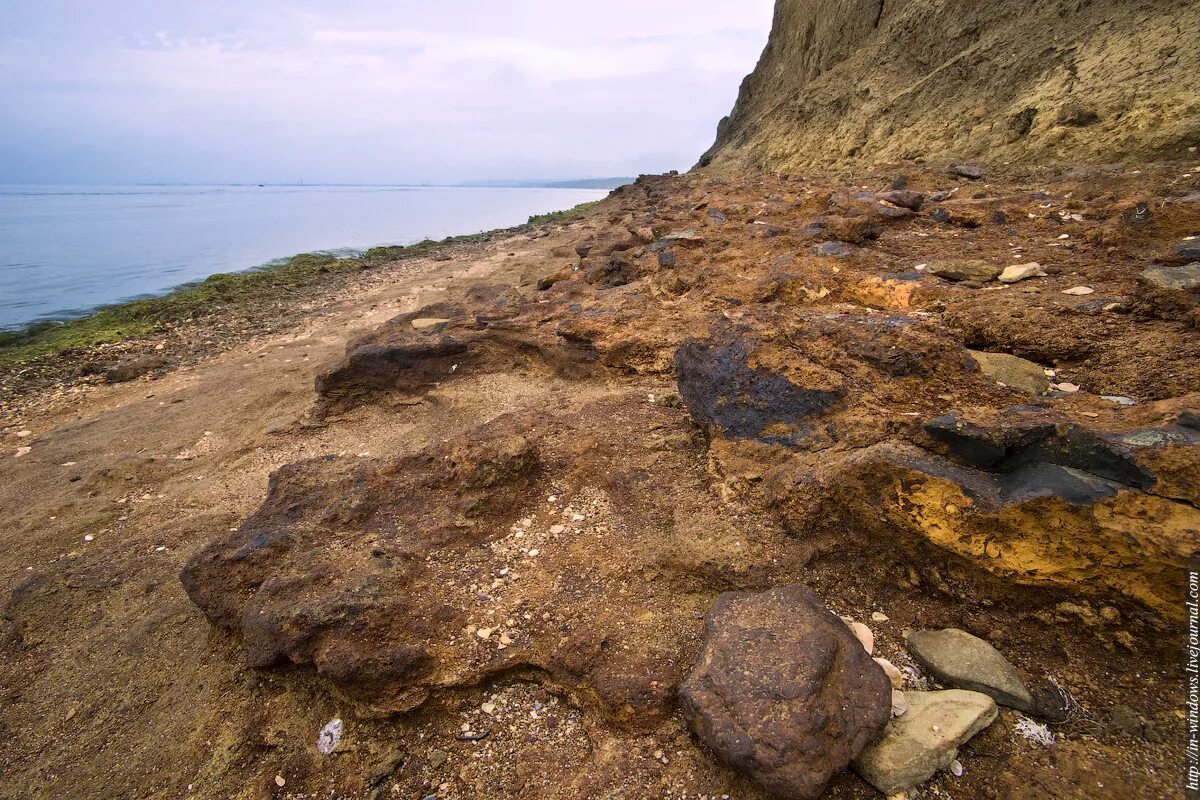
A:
(783, 691)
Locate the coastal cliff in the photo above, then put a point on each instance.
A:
(1066, 81)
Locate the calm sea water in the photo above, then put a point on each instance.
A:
(66, 249)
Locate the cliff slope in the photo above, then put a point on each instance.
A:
(1078, 81)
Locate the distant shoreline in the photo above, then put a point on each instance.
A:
(218, 293)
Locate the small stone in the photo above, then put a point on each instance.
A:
(329, 737)
(964, 269)
(279, 781)
(488, 708)
(1012, 371)
(534, 553)
(24, 434)
(926, 739)
(1079, 291)
(89, 537)
(1185, 278)
(23, 451)
(971, 171)
(899, 703)
(904, 198)
(862, 633)
(956, 658)
(1067, 388)
(1020, 272)
(484, 633)
(832, 250)
(879, 616)
(894, 674)
(558, 530)
(956, 768)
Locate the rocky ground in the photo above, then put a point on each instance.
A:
(574, 513)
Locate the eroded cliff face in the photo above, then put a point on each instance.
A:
(1079, 81)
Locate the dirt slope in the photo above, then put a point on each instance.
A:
(1068, 81)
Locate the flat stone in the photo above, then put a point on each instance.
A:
(971, 171)
(1185, 278)
(783, 692)
(1019, 272)
(1012, 371)
(958, 659)
(904, 198)
(832, 250)
(1079, 291)
(925, 739)
(964, 269)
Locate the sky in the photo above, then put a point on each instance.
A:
(365, 91)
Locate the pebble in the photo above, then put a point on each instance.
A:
(879, 616)
(484, 633)
(89, 537)
(899, 703)
(24, 434)
(1019, 272)
(1069, 388)
(23, 451)
(534, 553)
(488, 708)
(863, 634)
(329, 737)
(1079, 291)
(956, 768)
(1121, 401)
(279, 781)
(894, 674)
(556, 530)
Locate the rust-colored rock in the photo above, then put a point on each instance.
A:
(783, 691)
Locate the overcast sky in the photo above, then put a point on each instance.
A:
(365, 90)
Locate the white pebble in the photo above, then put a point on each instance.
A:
(956, 768)
(900, 704)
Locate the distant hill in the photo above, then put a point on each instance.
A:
(577, 183)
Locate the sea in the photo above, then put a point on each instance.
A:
(66, 250)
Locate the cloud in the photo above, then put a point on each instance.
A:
(375, 93)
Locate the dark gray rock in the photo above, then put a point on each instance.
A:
(720, 388)
(134, 368)
(904, 198)
(1174, 279)
(972, 171)
(783, 692)
(964, 269)
(833, 250)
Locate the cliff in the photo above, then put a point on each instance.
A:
(1075, 81)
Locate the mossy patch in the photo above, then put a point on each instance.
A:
(214, 295)
(565, 215)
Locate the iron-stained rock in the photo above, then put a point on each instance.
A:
(783, 691)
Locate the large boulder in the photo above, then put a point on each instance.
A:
(783, 691)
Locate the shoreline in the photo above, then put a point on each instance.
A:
(241, 304)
